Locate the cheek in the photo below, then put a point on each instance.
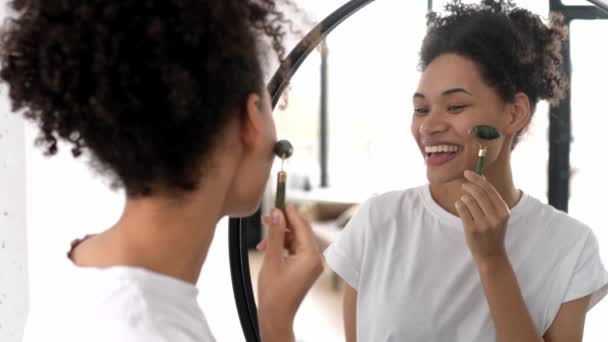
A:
(253, 175)
(261, 176)
(414, 128)
(249, 191)
(463, 123)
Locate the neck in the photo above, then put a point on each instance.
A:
(499, 175)
(167, 236)
(164, 234)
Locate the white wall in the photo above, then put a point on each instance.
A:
(13, 251)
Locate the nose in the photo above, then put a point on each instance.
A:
(432, 123)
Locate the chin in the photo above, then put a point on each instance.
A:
(244, 209)
(242, 212)
(441, 178)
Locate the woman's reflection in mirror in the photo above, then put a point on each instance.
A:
(467, 257)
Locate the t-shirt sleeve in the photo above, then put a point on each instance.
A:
(345, 255)
(590, 276)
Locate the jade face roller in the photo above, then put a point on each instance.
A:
(283, 149)
(485, 133)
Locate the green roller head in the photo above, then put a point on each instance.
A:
(283, 149)
(485, 132)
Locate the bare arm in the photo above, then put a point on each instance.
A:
(350, 313)
(507, 306)
(510, 313)
(570, 322)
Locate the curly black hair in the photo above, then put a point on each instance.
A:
(515, 50)
(145, 86)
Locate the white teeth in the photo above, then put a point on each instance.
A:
(441, 148)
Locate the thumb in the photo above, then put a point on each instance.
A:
(276, 234)
(301, 229)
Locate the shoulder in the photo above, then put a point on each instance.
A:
(108, 320)
(117, 304)
(557, 224)
(554, 233)
(131, 314)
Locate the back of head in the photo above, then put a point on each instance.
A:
(145, 86)
(515, 50)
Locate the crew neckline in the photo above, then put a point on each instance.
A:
(128, 273)
(452, 220)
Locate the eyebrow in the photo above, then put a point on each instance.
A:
(445, 93)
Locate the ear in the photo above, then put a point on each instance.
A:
(252, 126)
(519, 114)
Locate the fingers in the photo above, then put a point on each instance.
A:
(479, 221)
(302, 232)
(464, 214)
(492, 194)
(276, 234)
(262, 245)
(297, 239)
(480, 196)
(494, 210)
(299, 236)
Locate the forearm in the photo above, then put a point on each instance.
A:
(507, 306)
(276, 331)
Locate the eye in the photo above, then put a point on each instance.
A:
(456, 109)
(420, 111)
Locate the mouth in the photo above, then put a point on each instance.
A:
(440, 154)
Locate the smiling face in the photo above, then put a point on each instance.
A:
(451, 99)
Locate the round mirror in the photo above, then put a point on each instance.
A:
(348, 117)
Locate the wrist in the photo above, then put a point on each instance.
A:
(284, 335)
(276, 329)
(493, 264)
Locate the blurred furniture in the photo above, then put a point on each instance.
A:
(328, 210)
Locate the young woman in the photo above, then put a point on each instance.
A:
(466, 257)
(167, 98)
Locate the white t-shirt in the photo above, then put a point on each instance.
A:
(119, 304)
(416, 279)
